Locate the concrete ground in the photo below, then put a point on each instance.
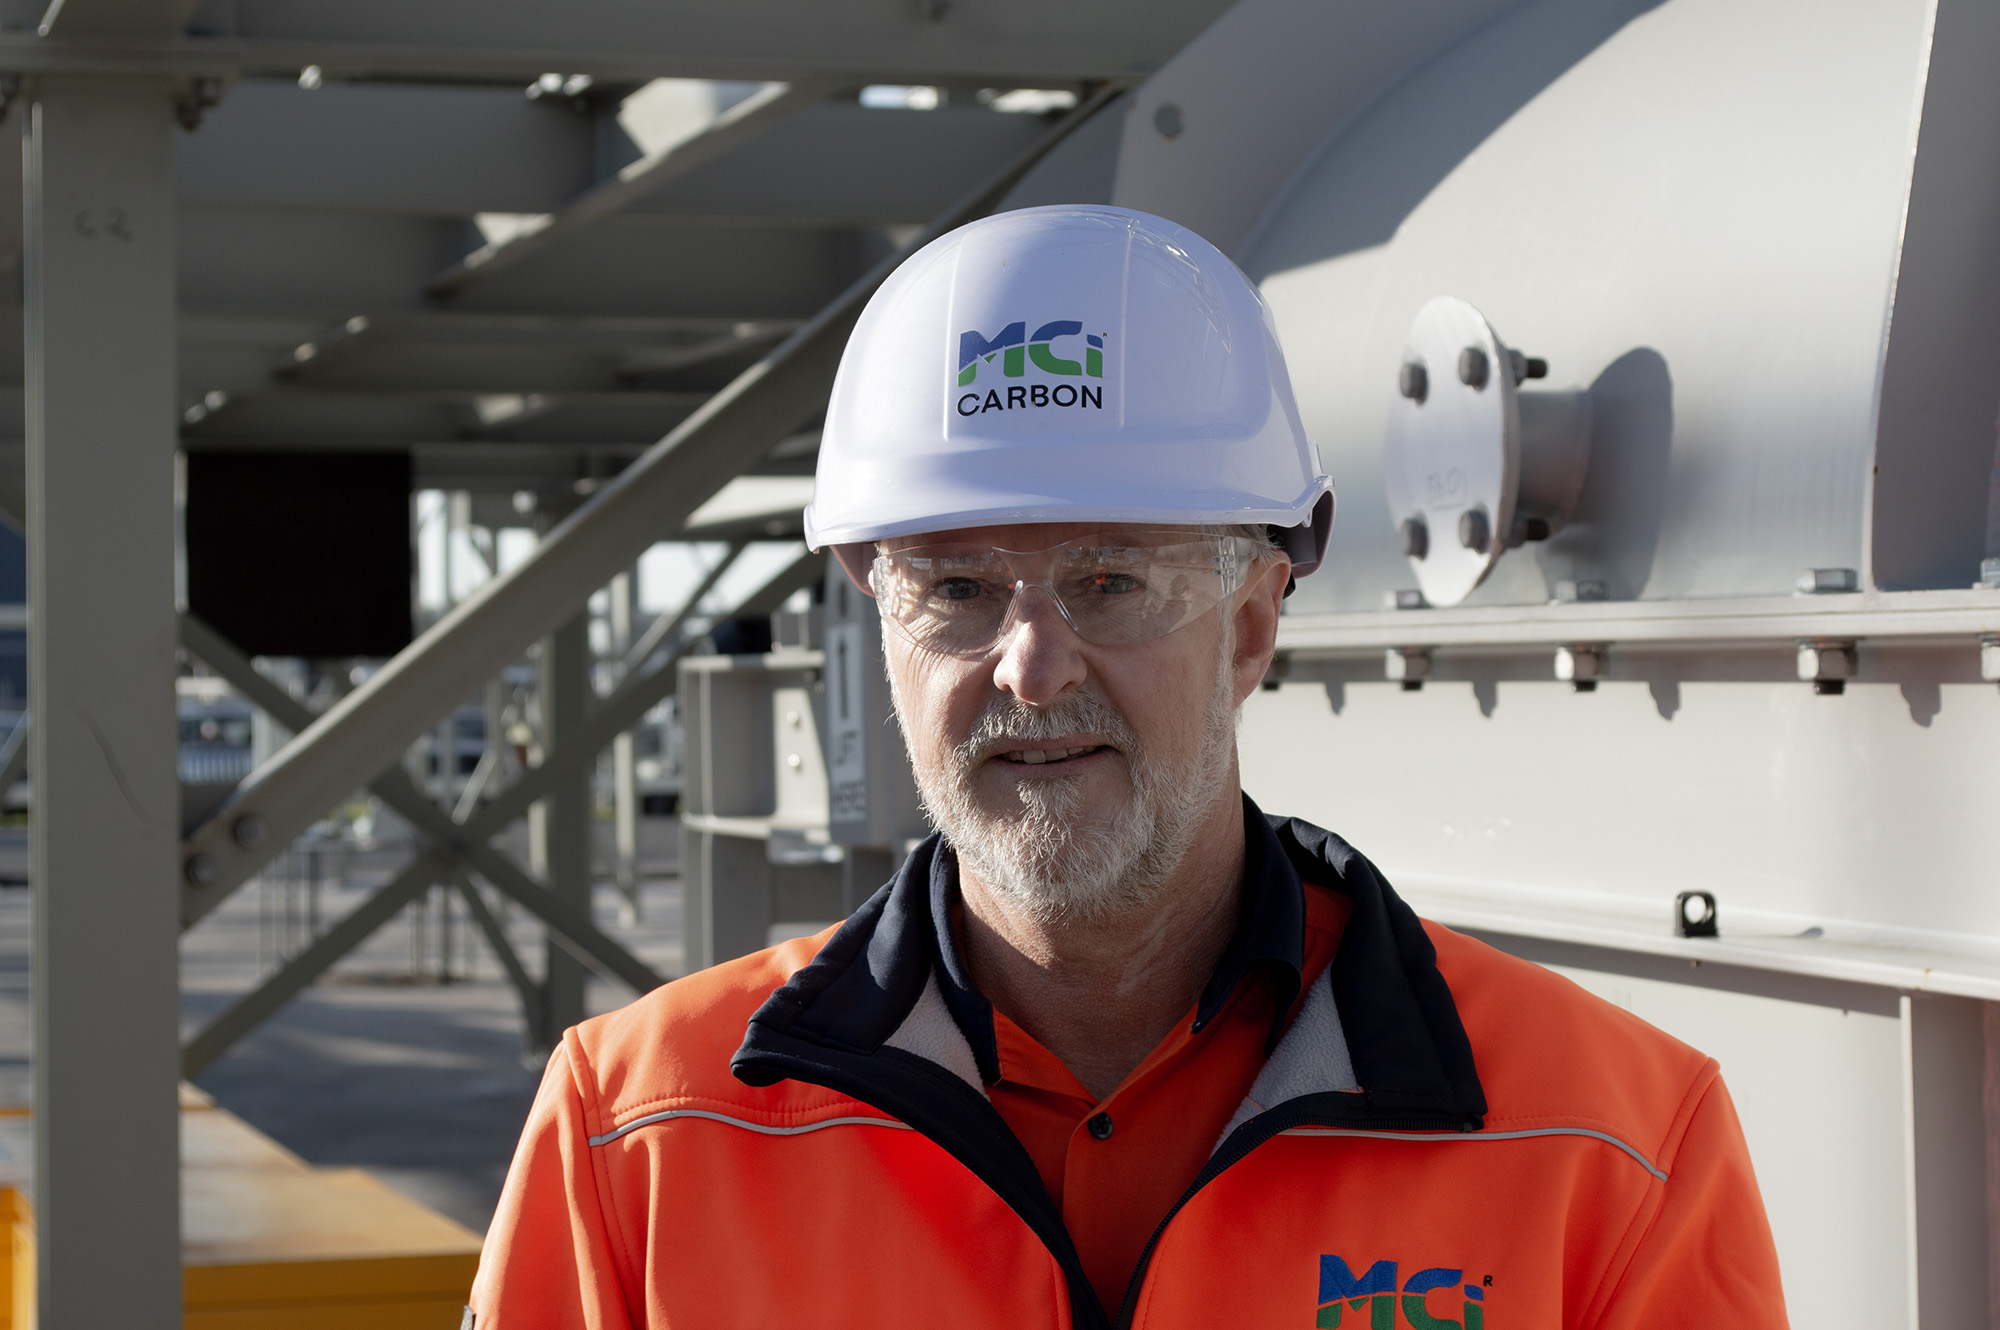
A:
(387, 1063)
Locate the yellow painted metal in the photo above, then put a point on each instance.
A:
(269, 1242)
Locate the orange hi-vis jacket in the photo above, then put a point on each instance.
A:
(1444, 1138)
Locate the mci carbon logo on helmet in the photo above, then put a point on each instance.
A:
(1373, 1292)
(1016, 352)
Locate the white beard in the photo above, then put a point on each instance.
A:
(1038, 855)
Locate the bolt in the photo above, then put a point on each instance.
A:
(1414, 382)
(1826, 664)
(1472, 368)
(200, 869)
(1525, 529)
(1474, 532)
(1416, 538)
(248, 830)
(1580, 666)
(1408, 666)
(1169, 120)
(1828, 581)
(1534, 368)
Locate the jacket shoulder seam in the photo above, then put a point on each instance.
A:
(583, 1077)
(1653, 1204)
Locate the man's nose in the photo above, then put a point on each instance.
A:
(1041, 657)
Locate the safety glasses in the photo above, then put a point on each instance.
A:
(1134, 585)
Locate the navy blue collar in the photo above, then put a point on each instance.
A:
(1270, 930)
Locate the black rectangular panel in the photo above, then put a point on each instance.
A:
(292, 554)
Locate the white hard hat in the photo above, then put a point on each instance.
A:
(1066, 364)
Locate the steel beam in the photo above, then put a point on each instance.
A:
(467, 843)
(734, 127)
(1029, 43)
(668, 626)
(14, 755)
(619, 711)
(495, 933)
(99, 285)
(362, 732)
(263, 1002)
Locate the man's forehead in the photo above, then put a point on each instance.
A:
(1028, 535)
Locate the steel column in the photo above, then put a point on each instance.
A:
(624, 760)
(99, 288)
(559, 825)
(648, 501)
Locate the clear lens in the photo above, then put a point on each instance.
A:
(956, 599)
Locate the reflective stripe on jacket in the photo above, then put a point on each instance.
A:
(1444, 1134)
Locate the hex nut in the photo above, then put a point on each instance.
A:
(1474, 531)
(1407, 665)
(1416, 536)
(1473, 370)
(1825, 662)
(1577, 664)
(1414, 382)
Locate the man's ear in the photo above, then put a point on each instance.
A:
(1255, 623)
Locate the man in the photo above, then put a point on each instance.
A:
(1114, 1047)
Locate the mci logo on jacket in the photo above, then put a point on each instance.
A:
(1049, 351)
(1373, 1294)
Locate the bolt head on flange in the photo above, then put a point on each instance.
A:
(199, 869)
(249, 830)
(1416, 537)
(1474, 531)
(1413, 381)
(1473, 368)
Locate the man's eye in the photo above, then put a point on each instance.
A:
(955, 588)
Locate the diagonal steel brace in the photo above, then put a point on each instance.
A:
(654, 496)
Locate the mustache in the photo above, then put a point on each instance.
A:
(1007, 718)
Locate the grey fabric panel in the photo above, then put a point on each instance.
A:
(930, 1033)
(1312, 1058)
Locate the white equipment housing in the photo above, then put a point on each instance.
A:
(1755, 656)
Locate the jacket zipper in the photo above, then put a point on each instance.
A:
(1254, 1133)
